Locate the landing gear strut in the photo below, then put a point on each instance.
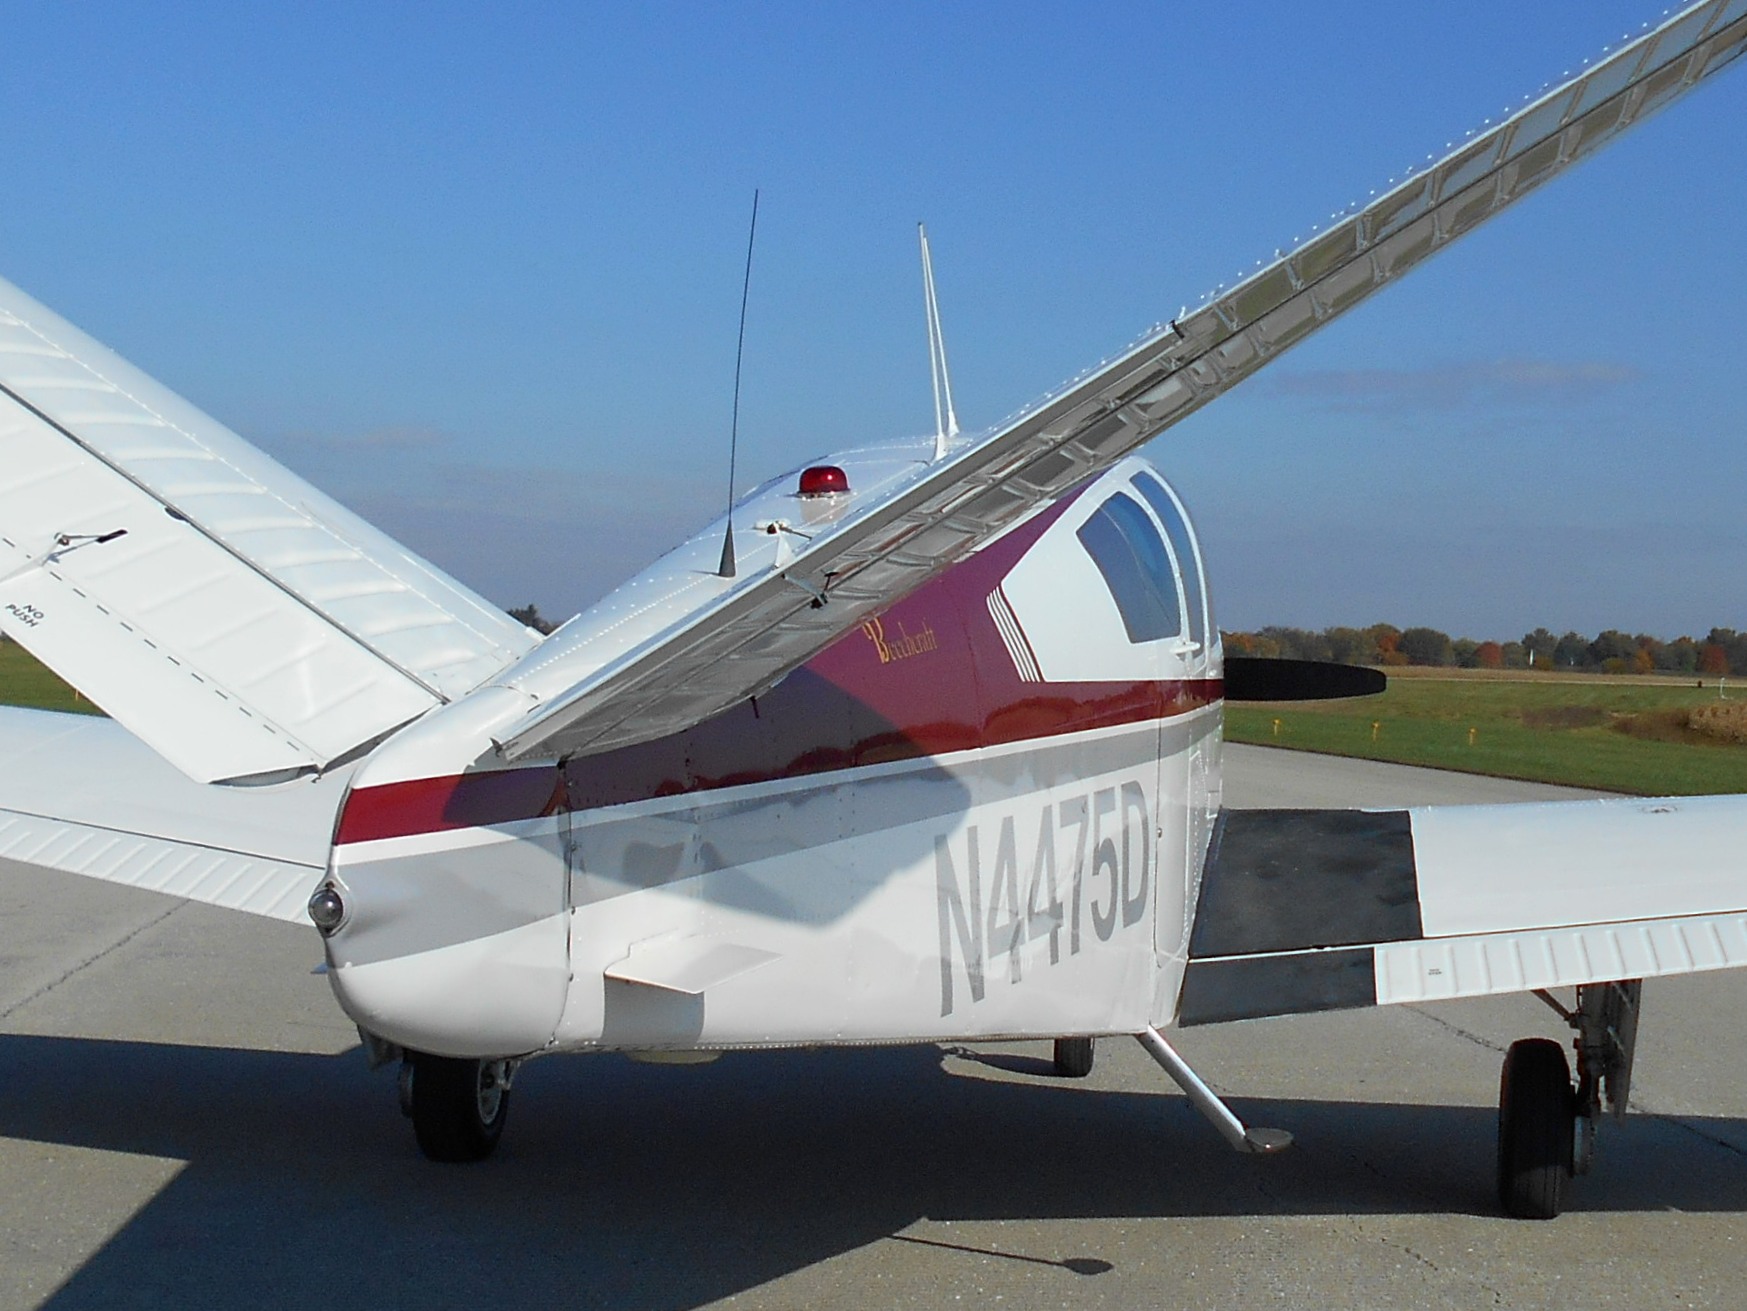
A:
(1546, 1127)
(457, 1106)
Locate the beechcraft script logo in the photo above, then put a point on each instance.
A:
(903, 644)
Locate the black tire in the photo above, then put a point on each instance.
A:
(1073, 1057)
(458, 1106)
(1537, 1122)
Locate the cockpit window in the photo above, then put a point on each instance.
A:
(1177, 529)
(1136, 566)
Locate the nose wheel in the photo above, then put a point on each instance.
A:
(458, 1106)
(1072, 1058)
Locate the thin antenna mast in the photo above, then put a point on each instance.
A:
(726, 568)
(945, 421)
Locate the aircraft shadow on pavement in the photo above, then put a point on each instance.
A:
(620, 1184)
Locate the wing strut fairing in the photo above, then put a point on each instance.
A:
(692, 645)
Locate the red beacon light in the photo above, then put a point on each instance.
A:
(823, 480)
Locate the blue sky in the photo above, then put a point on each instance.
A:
(475, 270)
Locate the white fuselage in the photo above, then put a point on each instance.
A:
(982, 814)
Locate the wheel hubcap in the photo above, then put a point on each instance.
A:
(493, 1082)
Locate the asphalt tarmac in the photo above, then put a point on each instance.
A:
(186, 1121)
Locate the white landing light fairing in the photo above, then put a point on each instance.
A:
(940, 762)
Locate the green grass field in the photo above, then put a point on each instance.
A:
(1621, 735)
(24, 682)
(1572, 730)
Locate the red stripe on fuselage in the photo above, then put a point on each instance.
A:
(930, 676)
(435, 805)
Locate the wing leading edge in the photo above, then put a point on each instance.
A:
(693, 643)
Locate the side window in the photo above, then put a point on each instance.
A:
(1177, 529)
(1131, 555)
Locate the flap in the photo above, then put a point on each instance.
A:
(1305, 910)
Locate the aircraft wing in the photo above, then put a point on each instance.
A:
(683, 643)
(84, 796)
(1308, 910)
(236, 619)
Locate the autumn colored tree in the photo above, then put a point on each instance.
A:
(1297, 643)
(1721, 652)
(1259, 646)
(1734, 647)
(1386, 640)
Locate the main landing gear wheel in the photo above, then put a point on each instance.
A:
(1073, 1057)
(1537, 1123)
(458, 1106)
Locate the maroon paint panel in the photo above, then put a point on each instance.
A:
(434, 805)
(930, 676)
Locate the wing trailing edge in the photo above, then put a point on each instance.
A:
(227, 612)
(81, 795)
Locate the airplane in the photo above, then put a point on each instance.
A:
(932, 753)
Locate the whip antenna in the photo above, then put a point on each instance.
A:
(945, 421)
(726, 568)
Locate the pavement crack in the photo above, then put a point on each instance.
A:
(89, 961)
(1420, 1258)
(1457, 1029)
(1680, 1123)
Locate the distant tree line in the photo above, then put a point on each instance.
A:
(1722, 651)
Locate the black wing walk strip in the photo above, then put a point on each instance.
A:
(1292, 906)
